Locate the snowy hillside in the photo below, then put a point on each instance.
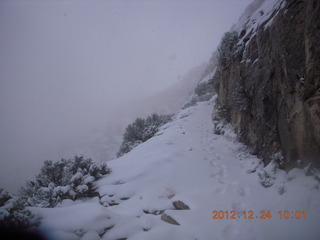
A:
(189, 165)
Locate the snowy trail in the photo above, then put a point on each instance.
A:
(187, 162)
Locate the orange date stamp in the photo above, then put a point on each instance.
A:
(263, 214)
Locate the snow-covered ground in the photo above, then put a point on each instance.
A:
(186, 161)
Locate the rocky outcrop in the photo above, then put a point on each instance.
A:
(272, 91)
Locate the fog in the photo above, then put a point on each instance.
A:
(74, 73)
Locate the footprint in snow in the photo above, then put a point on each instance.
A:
(239, 207)
(242, 191)
(218, 172)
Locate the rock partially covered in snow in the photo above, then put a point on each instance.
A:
(179, 205)
(167, 218)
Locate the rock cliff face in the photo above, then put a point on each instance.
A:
(271, 90)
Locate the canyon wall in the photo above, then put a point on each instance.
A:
(271, 86)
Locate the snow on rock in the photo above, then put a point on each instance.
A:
(217, 175)
(259, 12)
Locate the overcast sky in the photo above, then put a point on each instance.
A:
(66, 66)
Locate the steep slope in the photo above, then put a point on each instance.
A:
(187, 162)
(276, 80)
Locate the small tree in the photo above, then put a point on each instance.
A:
(134, 131)
(141, 130)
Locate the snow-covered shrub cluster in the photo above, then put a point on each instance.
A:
(141, 130)
(267, 175)
(229, 49)
(201, 89)
(203, 92)
(65, 179)
(13, 214)
(278, 158)
(192, 102)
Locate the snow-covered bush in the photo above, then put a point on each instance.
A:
(141, 130)
(228, 49)
(65, 179)
(192, 102)
(267, 175)
(204, 91)
(221, 113)
(13, 214)
(201, 89)
(278, 158)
